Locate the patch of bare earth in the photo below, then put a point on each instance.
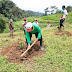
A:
(14, 51)
(63, 32)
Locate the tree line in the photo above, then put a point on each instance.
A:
(55, 10)
(9, 10)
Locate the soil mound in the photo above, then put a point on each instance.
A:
(14, 51)
(63, 32)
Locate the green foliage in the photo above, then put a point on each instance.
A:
(32, 13)
(52, 19)
(9, 9)
(21, 43)
(69, 8)
(57, 55)
(5, 66)
(3, 22)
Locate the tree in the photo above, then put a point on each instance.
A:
(69, 8)
(46, 10)
(3, 22)
(9, 9)
(54, 9)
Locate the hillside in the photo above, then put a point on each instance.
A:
(32, 13)
(57, 54)
(10, 10)
(53, 19)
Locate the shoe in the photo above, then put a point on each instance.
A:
(58, 28)
(41, 48)
(64, 28)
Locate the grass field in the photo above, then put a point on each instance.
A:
(57, 56)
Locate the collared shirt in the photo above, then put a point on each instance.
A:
(64, 12)
(36, 29)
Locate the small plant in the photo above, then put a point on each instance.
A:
(21, 43)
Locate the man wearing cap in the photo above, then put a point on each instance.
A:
(62, 18)
(35, 21)
(33, 28)
(11, 27)
(24, 24)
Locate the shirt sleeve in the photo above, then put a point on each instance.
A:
(28, 37)
(39, 32)
(66, 12)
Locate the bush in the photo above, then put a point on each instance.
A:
(3, 22)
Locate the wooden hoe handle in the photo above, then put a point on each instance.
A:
(28, 48)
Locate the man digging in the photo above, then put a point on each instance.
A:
(32, 28)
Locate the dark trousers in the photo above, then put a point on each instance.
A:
(36, 34)
(61, 22)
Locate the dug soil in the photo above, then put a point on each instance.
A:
(13, 52)
(62, 33)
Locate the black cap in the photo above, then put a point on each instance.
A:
(63, 6)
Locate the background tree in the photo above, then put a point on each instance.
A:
(3, 22)
(69, 8)
(46, 10)
(54, 9)
(9, 9)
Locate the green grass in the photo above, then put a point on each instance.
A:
(53, 19)
(57, 56)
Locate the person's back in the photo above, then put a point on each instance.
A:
(33, 28)
(11, 27)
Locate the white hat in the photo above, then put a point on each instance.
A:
(29, 25)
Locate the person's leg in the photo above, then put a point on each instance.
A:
(61, 24)
(41, 41)
(26, 42)
(12, 32)
(36, 34)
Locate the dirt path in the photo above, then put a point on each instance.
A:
(62, 32)
(14, 51)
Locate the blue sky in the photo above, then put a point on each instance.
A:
(40, 5)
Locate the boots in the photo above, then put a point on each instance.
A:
(41, 48)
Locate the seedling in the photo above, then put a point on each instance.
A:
(21, 43)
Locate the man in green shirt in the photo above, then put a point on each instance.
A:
(32, 28)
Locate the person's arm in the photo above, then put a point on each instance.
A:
(28, 37)
(37, 39)
(28, 45)
(66, 14)
(39, 32)
(67, 17)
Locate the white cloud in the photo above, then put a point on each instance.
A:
(40, 5)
